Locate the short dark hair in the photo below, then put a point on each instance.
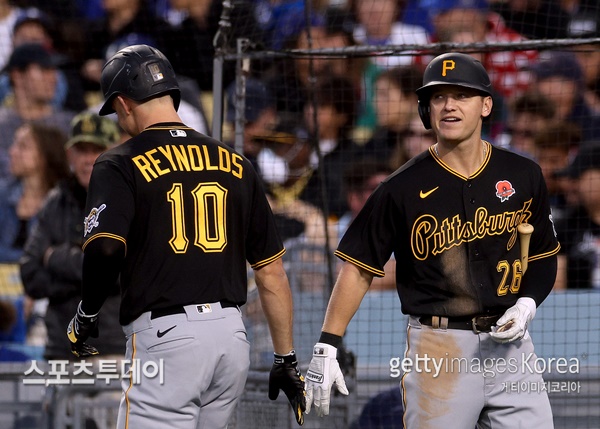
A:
(339, 93)
(406, 78)
(51, 144)
(564, 135)
(357, 173)
(535, 103)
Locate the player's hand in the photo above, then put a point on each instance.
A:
(286, 376)
(512, 325)
(323, 371)
(80, 328)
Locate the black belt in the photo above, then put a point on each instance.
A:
(178, 309)
(476, 324)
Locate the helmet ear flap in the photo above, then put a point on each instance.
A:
(423, 108)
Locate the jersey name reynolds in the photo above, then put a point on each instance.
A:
(429, 236)
(169, 158)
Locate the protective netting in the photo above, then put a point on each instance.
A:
(320, 97)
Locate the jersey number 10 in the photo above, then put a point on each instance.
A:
(209, 217)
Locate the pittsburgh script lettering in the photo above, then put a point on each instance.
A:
(430, 237)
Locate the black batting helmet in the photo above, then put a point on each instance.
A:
(451, 69)
(138, 72)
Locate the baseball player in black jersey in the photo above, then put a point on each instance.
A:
(177, 215)
(451, 217)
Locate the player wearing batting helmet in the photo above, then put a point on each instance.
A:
(452, 216)
(176, 216)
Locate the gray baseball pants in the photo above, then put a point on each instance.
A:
(460, 379)
(187, 370)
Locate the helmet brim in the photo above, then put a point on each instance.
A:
(425, 91)
(107, 108)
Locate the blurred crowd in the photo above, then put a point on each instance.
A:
(322, 131)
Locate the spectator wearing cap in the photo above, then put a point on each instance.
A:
(8, 16)
(449, 17)
(32, 73)
(257, 118)
(586, 25)
(32, 26)
(51, 266)
(579, 234)
(559, 78)
(292, 185)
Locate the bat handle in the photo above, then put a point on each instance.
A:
(525, 230)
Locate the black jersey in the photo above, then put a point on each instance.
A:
(454, 238)
(190, 210)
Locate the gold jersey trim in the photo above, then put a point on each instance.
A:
(169, 127)
(127, 403)
(544, 255)
(269, 260)
(375, 271)
(105, 235)
(488, 154)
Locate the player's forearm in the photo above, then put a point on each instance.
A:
(348, 292)
(539, 279)
(102, 263)
(276, 300)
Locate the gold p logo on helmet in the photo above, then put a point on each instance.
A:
(439, 71)
(447, 65)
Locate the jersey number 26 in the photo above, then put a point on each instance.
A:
(504, 267)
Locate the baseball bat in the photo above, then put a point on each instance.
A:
(525, 230)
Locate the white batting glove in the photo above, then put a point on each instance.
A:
(512, 325)
(323, 371)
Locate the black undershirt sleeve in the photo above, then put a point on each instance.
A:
(539, 279)
(102, 262)
(331, 339)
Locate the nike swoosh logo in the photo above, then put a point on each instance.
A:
(160, 334)
(428, 193)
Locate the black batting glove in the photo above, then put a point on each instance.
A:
(80, 328)
(286, 376)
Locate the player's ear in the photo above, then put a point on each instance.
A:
(122, 103)
(486, 109)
